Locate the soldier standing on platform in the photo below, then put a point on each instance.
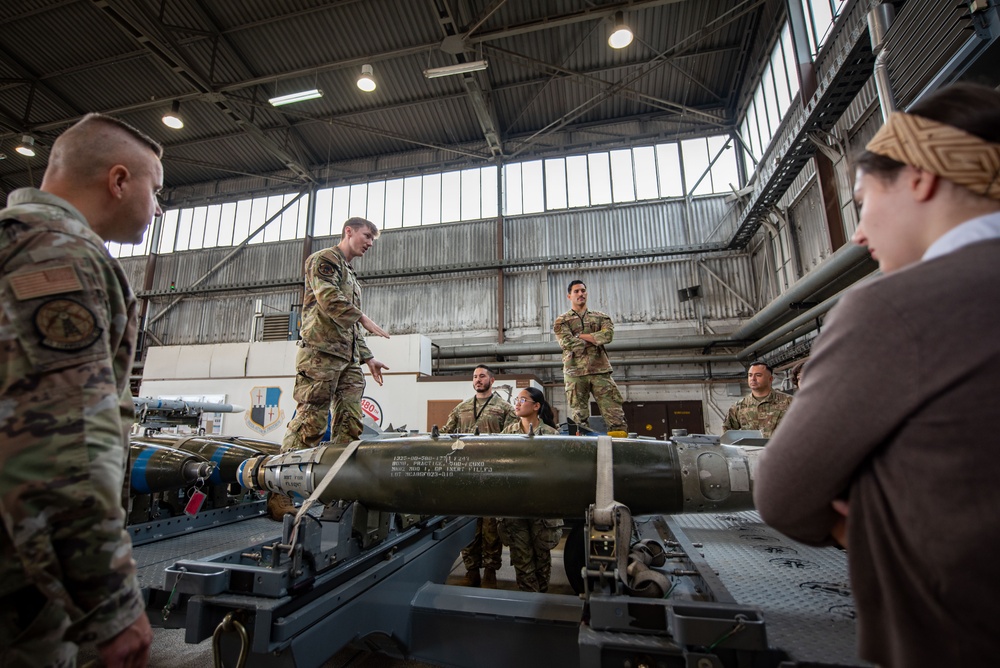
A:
(490, 414)
(329, 379)
(582, 335)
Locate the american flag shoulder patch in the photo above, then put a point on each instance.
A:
(45, 282)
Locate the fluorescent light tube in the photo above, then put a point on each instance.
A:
(461, 68)
(296, 97)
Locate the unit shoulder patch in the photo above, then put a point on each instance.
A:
(326, 269)
(44, 282)
(66, 324)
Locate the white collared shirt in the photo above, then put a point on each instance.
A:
(972, 231)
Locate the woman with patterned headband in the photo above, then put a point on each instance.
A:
(900, 462)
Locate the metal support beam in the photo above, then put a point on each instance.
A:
(474, 84)
(590, 79)
(501, 300)
(800, 45)
(726, 286)
(216, 33)
(656, 62)
(791, 149)
(229, 256)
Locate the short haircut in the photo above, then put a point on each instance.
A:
(763, 364)
(136, 133)
(569, 289)
(356, 223)
(93, 145)
(484, 367)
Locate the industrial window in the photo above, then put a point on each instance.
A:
(699, 166)
(771, 99)
(820, 17)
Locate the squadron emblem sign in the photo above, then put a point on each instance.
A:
(265, 414)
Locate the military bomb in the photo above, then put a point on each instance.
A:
(514, 475)
(158, 468)
(227, 457)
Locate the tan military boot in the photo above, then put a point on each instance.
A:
(471, 579)
(279, 505)
(489, 578)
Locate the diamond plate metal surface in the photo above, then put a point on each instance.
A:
(153, 558)
(803, 591)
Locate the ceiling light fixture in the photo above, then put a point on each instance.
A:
(621, 36)
(366, 82)
(26, 147)
(172, 119)
(461, 68)
(296, 97)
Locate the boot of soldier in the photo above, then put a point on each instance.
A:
(472, 579)
(279, 505)
(489, 578)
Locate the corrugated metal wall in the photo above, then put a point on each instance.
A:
(255, 263)
(462, 305)
(621, 228)
(223, 318)
(924, 35)
(442, 304)
(470, 244)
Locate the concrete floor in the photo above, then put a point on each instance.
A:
(170, 651)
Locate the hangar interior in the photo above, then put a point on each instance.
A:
(698, 180)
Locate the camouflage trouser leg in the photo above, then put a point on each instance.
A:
(492, 547)
(609, 401)
(472, 554)
(545, 535)
(315, 393)
(606, 394)
(485, 549)
(347, 415)
(578, 398)
(31, 632)
(531, 543)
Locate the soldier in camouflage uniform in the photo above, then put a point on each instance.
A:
(490, 414)
(582, 334)
(67, 341)
(765, 406)
(531, 540)
(329, 378)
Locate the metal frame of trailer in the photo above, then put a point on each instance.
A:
(742, 595)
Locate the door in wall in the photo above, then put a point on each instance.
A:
(686, 415)
(646, 418)
(438, 410)
(658, 418)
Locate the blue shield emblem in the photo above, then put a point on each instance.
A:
(265, 414)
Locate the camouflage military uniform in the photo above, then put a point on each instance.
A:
(530, 540)
(586, 368)
(753, 413)
(329, 377)
(485, 549)
(67, 341)
(490, 415)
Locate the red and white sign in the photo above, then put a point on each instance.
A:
(371, 408)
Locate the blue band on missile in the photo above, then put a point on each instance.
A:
(217, 456)
(139, 483)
